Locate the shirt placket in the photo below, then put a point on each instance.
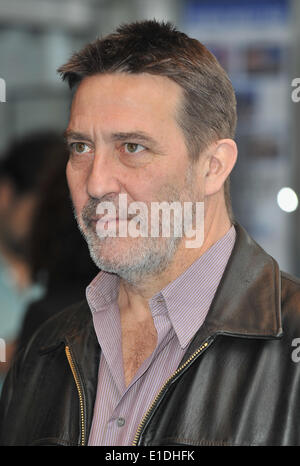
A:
(116, 432)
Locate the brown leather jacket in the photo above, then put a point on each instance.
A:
(238, 383)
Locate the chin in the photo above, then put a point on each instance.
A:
(133, 259)
(116, 251)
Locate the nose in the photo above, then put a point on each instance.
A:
(102, 178)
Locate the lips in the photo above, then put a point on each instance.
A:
(103, 219)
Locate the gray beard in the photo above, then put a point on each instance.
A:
(148, 257)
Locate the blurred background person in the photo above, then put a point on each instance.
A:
(21, 170)
(58, 255)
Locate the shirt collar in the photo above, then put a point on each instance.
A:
(102, 291)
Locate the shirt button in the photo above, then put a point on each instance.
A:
(120, 421)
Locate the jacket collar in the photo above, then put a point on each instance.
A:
(247, 302)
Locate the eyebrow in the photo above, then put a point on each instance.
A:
(139, 136)
(70, 134)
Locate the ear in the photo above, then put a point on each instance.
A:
(220, 162)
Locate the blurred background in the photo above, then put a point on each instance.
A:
(257, 42)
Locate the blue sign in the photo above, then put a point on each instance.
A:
(259, 11)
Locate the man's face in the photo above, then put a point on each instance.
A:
(124, 139)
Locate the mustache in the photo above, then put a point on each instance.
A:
(89, 212)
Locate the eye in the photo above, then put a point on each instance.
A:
(79, 147)
(133, 148)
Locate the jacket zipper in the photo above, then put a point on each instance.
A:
(147, 414)
(80, 393)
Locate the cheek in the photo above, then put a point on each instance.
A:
(156, 184)
(147, 188)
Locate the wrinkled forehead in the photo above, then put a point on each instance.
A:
(126, 102)
(131, 89)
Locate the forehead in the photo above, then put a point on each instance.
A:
(114, 98)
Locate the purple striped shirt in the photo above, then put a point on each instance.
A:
(178, 311)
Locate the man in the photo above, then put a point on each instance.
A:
(176, 345)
